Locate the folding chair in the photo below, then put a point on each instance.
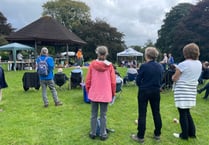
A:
(60, 79)
(75, 80)
(131, 78)
(118, 91)
(30, 79)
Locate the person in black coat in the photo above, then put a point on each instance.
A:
(3, 83)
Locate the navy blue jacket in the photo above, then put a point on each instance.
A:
(149, 76)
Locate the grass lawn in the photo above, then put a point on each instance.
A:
(25, 121)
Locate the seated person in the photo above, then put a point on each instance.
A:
(116, 71)
(131, 70)
(76, 77)
(205, 72)
(60, 78)
(77, 70)
(206, 87)
(119, 84)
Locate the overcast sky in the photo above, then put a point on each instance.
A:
(139, 20)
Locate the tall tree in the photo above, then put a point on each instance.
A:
(70, 13)
(166, 36)
(195, 28)
(76, 17)
(5, 28)
(100, 33)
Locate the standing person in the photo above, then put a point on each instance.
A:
(79, 56)
(3, 83)
(100, 86)
(47, 79)
(185, 89)
(11, 65)
(164, 61)
(19, 58)
(149, 81)
(170, 59)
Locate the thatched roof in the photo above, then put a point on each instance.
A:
(45, 30)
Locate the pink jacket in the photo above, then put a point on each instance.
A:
(101, 81)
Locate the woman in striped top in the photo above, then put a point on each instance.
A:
(186, 81)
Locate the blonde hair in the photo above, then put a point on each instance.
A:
(151, 53)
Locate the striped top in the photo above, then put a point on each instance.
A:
(185, 89)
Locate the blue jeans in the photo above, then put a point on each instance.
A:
(153, 97)
(50, 84)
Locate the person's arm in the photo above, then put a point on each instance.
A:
(88, 79)
(113, 81)
(176, 75)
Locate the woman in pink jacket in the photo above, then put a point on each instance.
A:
(100, 86)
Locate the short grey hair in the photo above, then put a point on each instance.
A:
(102, 51)
(44, 51)
(151, 53)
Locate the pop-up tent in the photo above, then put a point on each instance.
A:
(14, 47)
(130, 52)
(69, 53)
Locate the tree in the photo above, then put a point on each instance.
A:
(5, 29)
(70, 13)
(100, 33)
(195, 28)
(166, 34)
(76, 17)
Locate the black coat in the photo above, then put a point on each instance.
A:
(31, 79)
(3, 83)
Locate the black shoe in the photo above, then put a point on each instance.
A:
(92, 136)
(192, 136)
(46, 105)
(104, 137)
(156, 137)
(199, 91)
(137, 139)
(58, 104)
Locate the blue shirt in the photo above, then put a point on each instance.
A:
(50, 63)
(170, 60)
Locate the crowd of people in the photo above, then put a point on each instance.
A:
(102, 77)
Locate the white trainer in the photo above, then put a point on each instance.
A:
(177, 135)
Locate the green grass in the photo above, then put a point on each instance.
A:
(25, 121)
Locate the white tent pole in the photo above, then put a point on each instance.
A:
(14, 58)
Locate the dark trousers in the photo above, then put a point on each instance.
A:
(187, 124)
(153, 96)
(206, 87)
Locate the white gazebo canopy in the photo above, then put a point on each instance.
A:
(130, 52)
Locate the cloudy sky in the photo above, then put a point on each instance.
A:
(139, 20)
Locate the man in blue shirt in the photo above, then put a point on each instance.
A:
(48, 79)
